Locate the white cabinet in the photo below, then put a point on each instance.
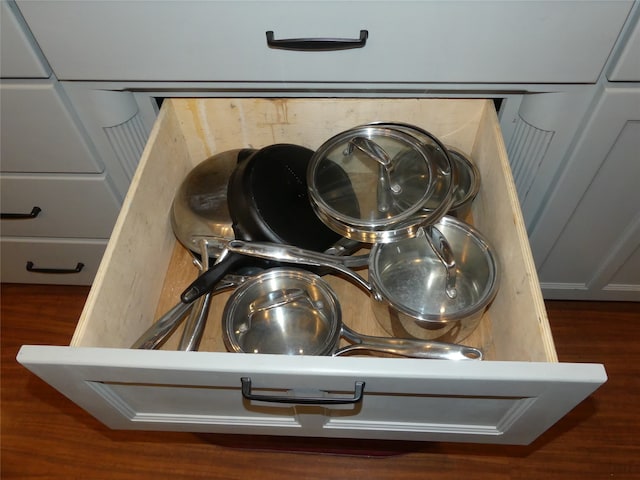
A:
(408, 41)
(58, 202)
(63, 261)
(19, 55)
(80, 206)
(512, 396)
(40, 132)
(586, 240)
(596, 208)
(626, 66)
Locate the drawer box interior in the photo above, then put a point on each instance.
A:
(145, 269)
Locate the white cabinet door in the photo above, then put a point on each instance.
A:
(40, 132)
(59, 261)
(20, 56)
(588, 240)
(408, 399)
(626, 66)
(82, 206)
(408, 41)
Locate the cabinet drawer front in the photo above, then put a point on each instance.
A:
(73, 261)
(20, 57)
(425, 41)
(70, 206)
(40, 132)
(506, 402)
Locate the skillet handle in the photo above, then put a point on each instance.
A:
(205, 282)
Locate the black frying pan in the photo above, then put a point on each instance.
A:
(267, 198)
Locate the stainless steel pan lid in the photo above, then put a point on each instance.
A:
(387, 196)
(283, 310)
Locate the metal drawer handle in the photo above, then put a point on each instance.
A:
(21, 216)
(357, 396)
(32, 268)
(317, 44)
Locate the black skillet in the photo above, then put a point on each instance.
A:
(267, 198)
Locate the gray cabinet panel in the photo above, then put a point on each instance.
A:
(50, 253)
(409, 41)
(39, 132)
(598, 199)
(20, 57)
(81, 206)
(626, 67)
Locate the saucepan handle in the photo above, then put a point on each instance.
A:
(299, 256)
(405, 347)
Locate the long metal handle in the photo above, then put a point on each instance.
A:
(407, 347)
(356, 398)
(56, 271)
(161, 330)
(317, 44)
(194, 328)
(295, 255)
(269, 251)
(35, 211)
(334, 257)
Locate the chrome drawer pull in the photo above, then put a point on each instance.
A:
(21, 216)
(32, 268)
(357, 396)
(317, 44)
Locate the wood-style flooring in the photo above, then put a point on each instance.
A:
(45, 436)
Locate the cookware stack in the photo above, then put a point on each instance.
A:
(271, 222)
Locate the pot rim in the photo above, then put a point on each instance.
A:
(457, 155)
(488, 294)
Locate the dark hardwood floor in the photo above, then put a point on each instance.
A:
(46, 436)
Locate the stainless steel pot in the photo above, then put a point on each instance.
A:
(411, 277)
(295, 312)
(436, 285)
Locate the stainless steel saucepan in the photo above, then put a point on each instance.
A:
(294, 312)
(433, 287)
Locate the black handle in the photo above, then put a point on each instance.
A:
(205, 282)
(357, 396)
(317, 44)
(32, 268)
(21, 216)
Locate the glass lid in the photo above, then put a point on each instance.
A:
(367, 180)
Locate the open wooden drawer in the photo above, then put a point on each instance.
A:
(512, 396)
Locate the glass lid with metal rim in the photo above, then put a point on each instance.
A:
(389, 171)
